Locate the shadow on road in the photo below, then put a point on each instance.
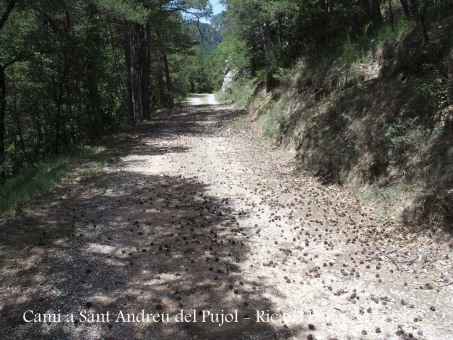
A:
(127, 242)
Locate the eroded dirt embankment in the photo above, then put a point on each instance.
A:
(381, 125)
(201, 215)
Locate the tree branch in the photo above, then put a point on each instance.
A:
(51, 22)
(180, 9)
(13, 61)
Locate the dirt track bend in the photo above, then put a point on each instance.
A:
(201, 214)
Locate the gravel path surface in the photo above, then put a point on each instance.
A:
(203, 218)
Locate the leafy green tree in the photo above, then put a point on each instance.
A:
(71, 70)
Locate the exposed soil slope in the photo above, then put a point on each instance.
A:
(382, 125)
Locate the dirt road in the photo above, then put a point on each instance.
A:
(196, 213)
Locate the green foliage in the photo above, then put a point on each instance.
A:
(232, 53)
(403, 134)
(34, 180)
(200, 74)
(277, 33)
(363, 48)
(349, 52)
(75, 69)
(438, 92)
(129, 10)
(238, 94)
(270, 119)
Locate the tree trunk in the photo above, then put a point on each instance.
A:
(94, 98)
(170, 98)
(392, 20)
(412, 6)
(355, 28)
(3, 19)
(135, 70)
(422, 19)
(120, 88)
(145, 69)
(265, 40)
(129, 72)
(39, 136)
(405, 7)
(2, 121)
(376, 14)
(167, 95)
(327, 22)
(160, 75)
(58, 99)
(16, 116)
(412, 10)
(373, 10)
(298, 34)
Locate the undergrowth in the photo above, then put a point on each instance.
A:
(362, 49)
(269, 119)
(238, 94)
(36, 179)
(373, 114)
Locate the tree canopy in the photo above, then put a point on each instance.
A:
(72, 70)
